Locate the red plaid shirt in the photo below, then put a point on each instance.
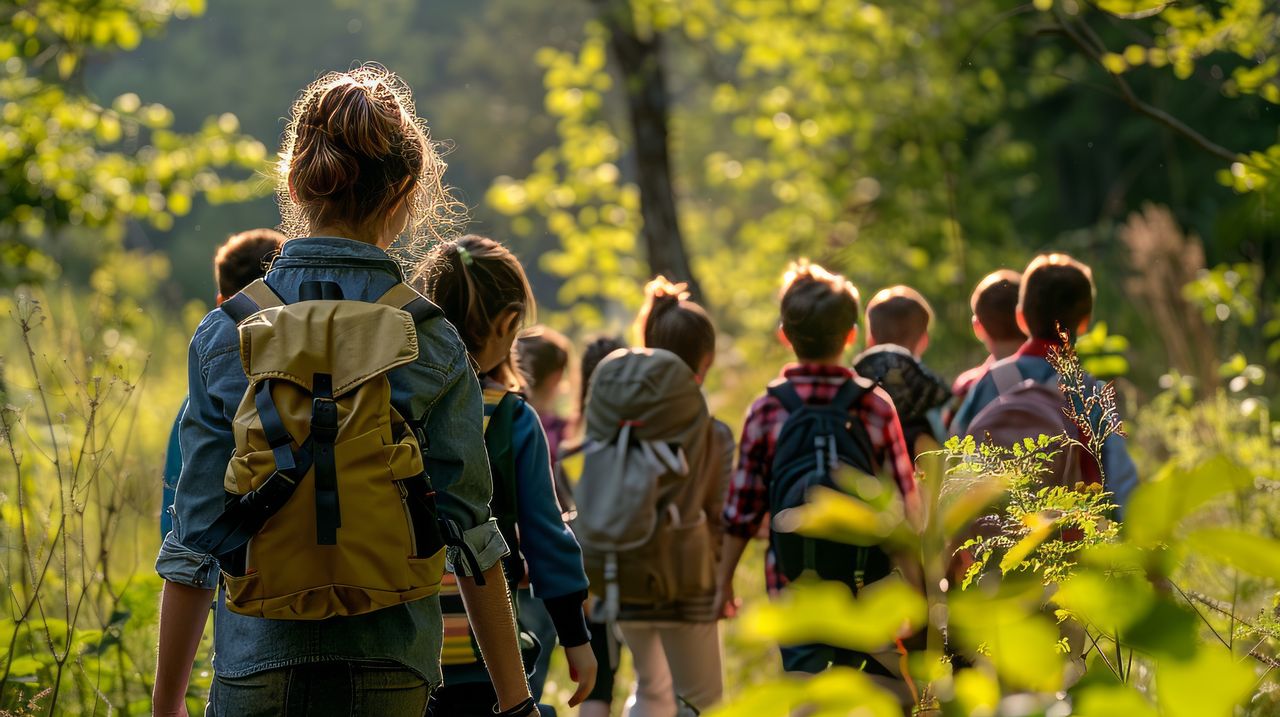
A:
(748, 501)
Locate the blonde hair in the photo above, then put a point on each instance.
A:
(353, 153)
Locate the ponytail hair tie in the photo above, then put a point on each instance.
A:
(465, 256)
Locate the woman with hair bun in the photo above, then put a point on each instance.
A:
(361, 194)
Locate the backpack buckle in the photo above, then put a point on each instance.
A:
(324, 420)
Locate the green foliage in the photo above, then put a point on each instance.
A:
(74, 166)
(1104, 617)
(1039, 528)
(577, 189)
(82, 437)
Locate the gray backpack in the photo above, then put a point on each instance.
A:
(640, 518)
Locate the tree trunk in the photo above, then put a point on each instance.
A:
(644, 80)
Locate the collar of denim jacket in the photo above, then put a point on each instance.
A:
(320, 251)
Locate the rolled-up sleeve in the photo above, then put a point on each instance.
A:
(214, 381)
(456, 461)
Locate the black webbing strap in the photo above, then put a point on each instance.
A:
(250, 300)
(245, 515)
(239, 307)
(405, 297)
(324, 431)
(273, 426)
(848, 395)
(421, 310)
(847, 399)
(787, 396)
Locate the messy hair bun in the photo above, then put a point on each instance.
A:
(669, 320)
(354, 153)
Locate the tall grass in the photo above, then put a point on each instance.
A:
(90, 384)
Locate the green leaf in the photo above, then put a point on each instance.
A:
(1253, 554)
(1112, 701)
(827, 612)
(834, 692)
(977, 692)
(1021, 641)
(1214, 683)
(1109, 602)
(834, 515)
(1158, 505)
(1167, 630)
(24, 666)
(1133, 9)
(962, 507)
(1041, 526)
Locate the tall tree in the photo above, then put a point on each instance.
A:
(640, 63)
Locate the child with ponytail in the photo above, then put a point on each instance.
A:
(483, 291)
(357, 172)
(651, 397)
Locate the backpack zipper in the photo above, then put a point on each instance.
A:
(408, 518)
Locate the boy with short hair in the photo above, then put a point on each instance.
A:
(240, 261)
(819, 323)
(995, 323)
(1056, 291)
(898, 320)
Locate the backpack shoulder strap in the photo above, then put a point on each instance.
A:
(849, 399)
(403, 296)
(253, 298)
(786, 394)
(498, 436)
(850, 394)
(1007, 376)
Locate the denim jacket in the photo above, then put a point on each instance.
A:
(439, 391)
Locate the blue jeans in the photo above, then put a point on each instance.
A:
(320, 690)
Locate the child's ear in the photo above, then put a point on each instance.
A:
(851, 338)
(922, 345)
(978, 331)
(1083, 328)
(217, 301)
(782, 336)
(510, 321)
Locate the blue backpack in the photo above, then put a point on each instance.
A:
(816, 440)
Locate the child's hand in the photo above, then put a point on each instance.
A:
(727, 604)
(582, 670)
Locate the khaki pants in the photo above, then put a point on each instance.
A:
(674, 658)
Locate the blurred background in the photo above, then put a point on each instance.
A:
(925, 142)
